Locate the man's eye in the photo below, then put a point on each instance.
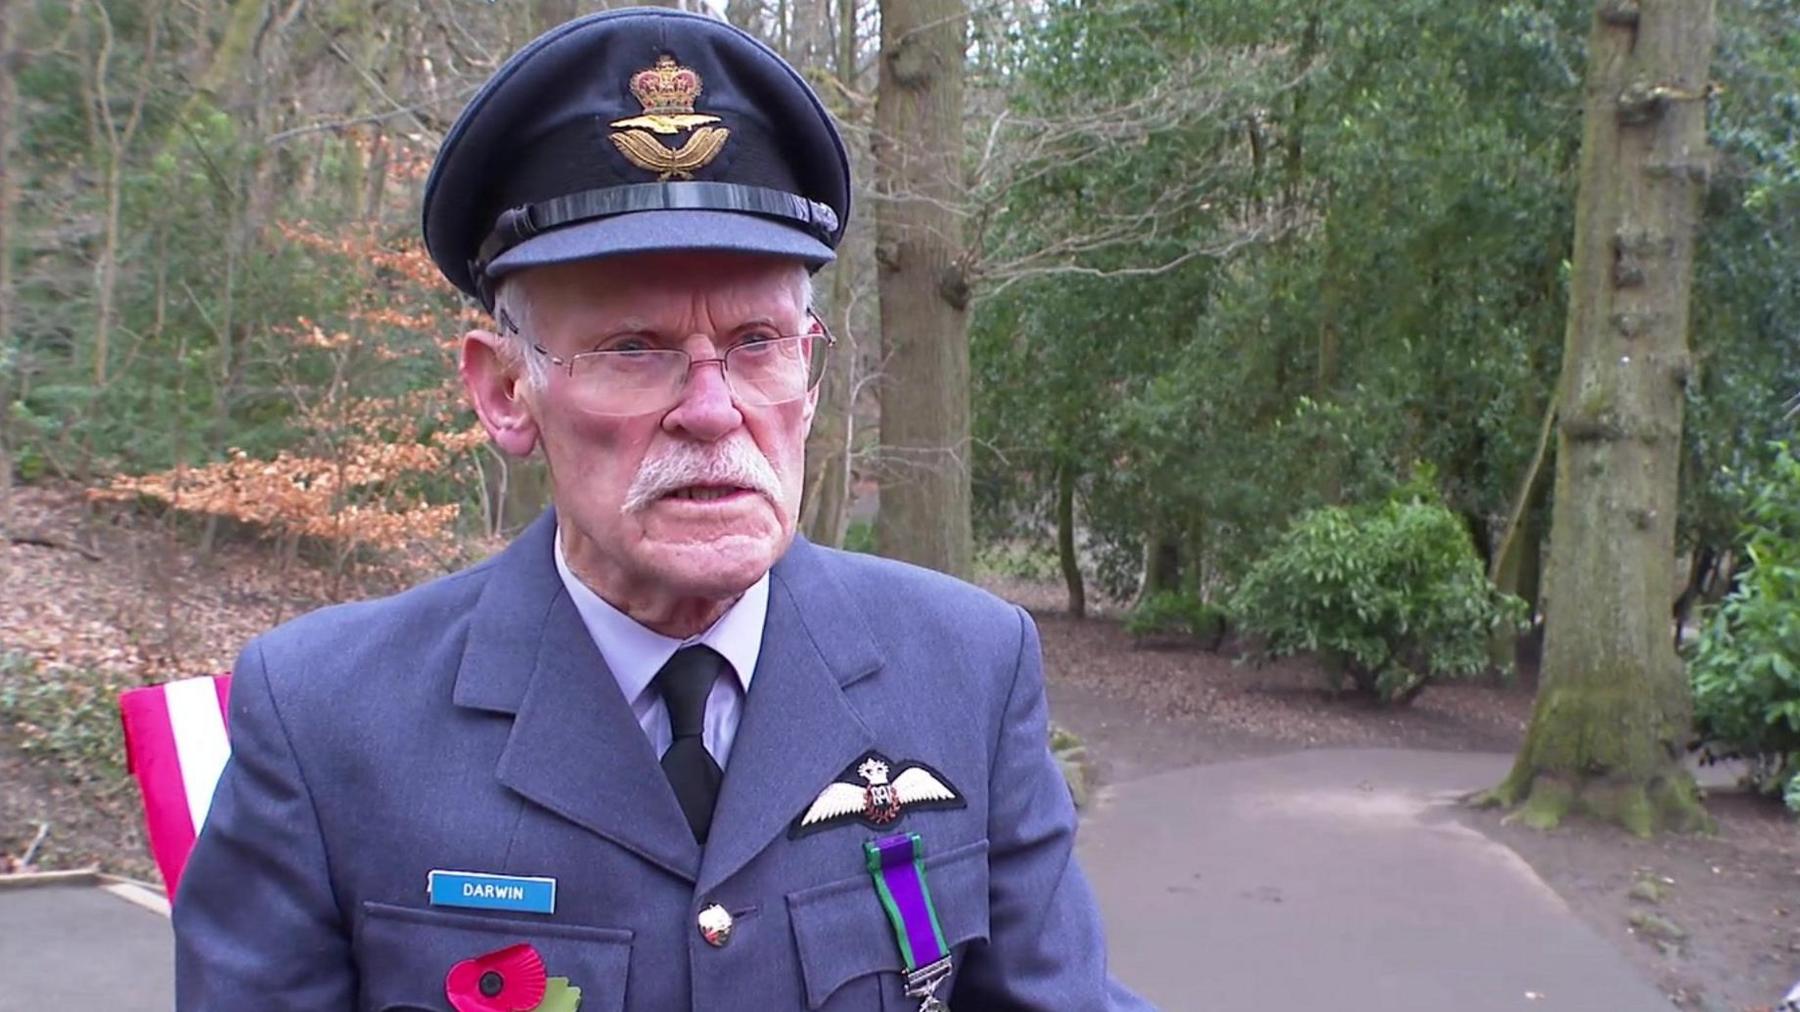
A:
(757, 337)
(627, 344)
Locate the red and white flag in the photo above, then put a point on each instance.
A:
(175, 745)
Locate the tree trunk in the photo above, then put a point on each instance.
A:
(748, 14)
(227, 61)
(1514, 567)
(1162, 564)
(924, 287)
(806, 40)
(1613, 706)
(1065, 540)
(826, 509)
(1700, 563)
(9, 362)
(1294, 152)
(1515, 570)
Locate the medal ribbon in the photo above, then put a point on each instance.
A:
(897, 863)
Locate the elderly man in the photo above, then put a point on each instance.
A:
(659, 754)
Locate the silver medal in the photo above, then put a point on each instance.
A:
(923, 983)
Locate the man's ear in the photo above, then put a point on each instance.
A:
(498, 393)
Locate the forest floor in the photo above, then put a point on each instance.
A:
(96, 599)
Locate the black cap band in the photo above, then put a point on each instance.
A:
(518, 224)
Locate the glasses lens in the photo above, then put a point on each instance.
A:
(628, 382)
(760, 373)
(774, 372)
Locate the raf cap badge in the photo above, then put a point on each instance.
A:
(668, 91)
(884, 793)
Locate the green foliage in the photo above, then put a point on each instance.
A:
(1746, 291)
(1018, 560)
(68, 717)
(1745, 666)
(1176, 613)
(860, 537)
(1390, 594)
(1400, 293)
(1400, 290)
(1072, 757)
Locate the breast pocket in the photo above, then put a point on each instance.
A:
(848, 953)
(405, 953)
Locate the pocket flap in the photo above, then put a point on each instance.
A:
(406, 952)
(842, 932)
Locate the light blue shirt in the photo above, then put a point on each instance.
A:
(635, 654)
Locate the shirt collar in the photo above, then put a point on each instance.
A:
(635, 653)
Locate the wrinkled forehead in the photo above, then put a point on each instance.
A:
(669, 291)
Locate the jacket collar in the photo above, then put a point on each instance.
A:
(579, 752)
(799, 730)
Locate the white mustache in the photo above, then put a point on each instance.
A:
(684, 464)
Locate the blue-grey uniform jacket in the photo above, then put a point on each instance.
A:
(470, 724)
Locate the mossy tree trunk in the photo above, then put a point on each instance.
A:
(1613, 707)
(1065, 540)
(922, 274)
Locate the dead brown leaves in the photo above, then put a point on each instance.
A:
(155, 607)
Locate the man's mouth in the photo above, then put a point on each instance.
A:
(706, 493)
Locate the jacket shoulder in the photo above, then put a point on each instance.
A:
(909, 608)
(340, 647)
(872, 578)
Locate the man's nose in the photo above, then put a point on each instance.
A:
(705, 410)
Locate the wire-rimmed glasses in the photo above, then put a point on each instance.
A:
(761, 370)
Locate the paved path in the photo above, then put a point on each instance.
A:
(1336, 881)
(77, 948)
(1323, 881)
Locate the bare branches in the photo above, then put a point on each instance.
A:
(1219, 251)
(334, 126)
(374, 85)
(1094, 230)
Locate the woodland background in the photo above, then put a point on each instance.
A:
(1245, 318)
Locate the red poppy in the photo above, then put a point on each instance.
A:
(505, 980)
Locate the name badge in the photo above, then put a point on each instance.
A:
(491, 892)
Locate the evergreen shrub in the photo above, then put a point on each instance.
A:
(1390, 595)
(1745, 665)
(1176, 613)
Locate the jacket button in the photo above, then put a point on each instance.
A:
(715, 925)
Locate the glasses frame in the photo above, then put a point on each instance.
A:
(818, 329)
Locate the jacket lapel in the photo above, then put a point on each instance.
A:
(575, 748)
(798, 730)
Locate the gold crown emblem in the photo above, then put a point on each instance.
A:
(668, 91)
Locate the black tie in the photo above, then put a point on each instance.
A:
(685, 682)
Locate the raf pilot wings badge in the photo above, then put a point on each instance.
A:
(882, 795)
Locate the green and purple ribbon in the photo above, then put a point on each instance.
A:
(897, 863)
